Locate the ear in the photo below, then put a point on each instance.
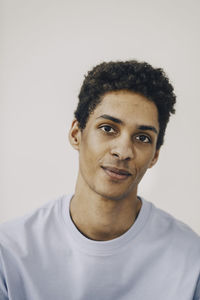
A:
(75, 135)
(155, 159)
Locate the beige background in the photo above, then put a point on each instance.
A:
(46, 48)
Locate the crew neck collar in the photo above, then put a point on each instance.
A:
(102, 248)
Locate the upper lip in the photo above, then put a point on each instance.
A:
(117, 170)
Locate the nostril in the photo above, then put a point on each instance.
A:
(128, 158)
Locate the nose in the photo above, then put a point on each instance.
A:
(123, 149)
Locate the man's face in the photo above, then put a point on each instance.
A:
(118, 144)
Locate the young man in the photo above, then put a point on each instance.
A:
(105, 242)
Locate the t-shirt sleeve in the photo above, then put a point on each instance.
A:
(197, 291)
(3, 289)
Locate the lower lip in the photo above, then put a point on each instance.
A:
(116, 176)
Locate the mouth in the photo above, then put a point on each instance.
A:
(115, 173)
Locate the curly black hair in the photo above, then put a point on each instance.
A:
(138, 77)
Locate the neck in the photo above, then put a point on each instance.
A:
(100, 218)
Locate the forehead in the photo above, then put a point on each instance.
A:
(129, 107)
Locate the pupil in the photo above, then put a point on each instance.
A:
(142, 138)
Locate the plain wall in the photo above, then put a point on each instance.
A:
(46, 48)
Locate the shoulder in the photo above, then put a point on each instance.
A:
(178, 234)
(16, 231)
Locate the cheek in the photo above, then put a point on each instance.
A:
(144, 161)
(90, 155)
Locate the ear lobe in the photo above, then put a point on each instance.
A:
(155, 159)
(75, 135)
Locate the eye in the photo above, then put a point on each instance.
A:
(143, 138)
(107, 129)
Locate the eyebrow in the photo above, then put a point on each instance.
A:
(147, 127)
(108, 117)
(118, 121)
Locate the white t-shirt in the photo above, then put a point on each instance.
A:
(43, 256)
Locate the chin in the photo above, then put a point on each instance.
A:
(115, 196)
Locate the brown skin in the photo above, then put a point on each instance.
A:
(105, 203)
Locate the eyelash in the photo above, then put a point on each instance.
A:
(146, 137)
(107, 126)
(115, 131)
